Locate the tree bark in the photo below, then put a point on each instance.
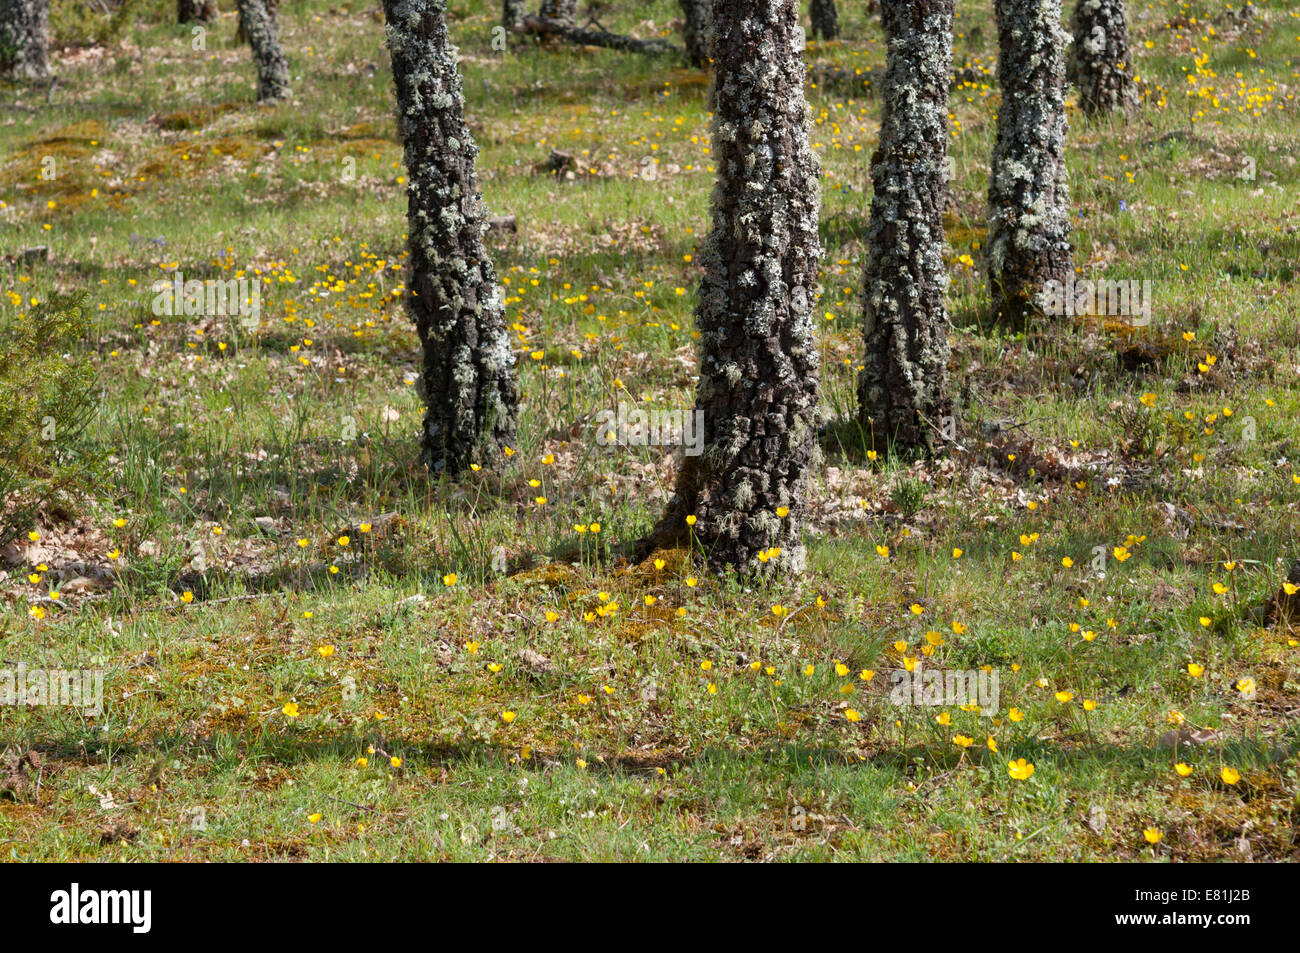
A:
(25, 39)
(260, 23)
(1029, 216)
(1099, 61)
(825, 19)
(513, 13)
(196, 11)
(902, 389)
(470, 387)
(566, 11)
(695, 31)
(594, 36)
(759, 361)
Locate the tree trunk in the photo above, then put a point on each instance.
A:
(196, 11)
(1029, 215)
(513, 13)
(695, 31)
(566, 11)
(825, 19)
(759, 361)
(261, 26)
(469, 369)
(1099, 61)
(25, 39)
(902, 389)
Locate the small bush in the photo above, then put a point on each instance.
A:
(47, 397)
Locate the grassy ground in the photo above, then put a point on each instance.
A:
(310, 652)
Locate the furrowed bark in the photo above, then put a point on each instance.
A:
(825, 19)
(1029, 217)
(902, 389)
(25, 39)
(759, 361)
(262, 29)
(470, 387)
(1099, 61)
(564, 11)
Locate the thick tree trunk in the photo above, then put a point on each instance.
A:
(261, 26)
(902, 389)
(196, 11)
(1029, 215)
(695, 31)
(469, 369)
(825, 19)
(566, 11)
(759, 362)
(25, 39)
(513, 13)
(1099, 61)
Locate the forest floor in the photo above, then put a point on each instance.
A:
(310, 651)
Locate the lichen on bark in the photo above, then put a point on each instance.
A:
(1028, 199)
(469, 381)
(759, 361)
(25, 39)
(1099, 59)
(902, 388)
(261, 26)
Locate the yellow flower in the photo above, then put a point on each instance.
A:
(841, 669)
(851, 714)
(1230, 775)
(1122, 553)
(809, 669)
(1067, 562)
(314, 818)
(690, 520)
(1183, 769)
(882, 551)
(507, 716)
(1089, 704)
(37, 612)
(1020, 769)
(943, 718)
(1153, 835)
(290, 710)
(365, 527)
(713, 689)
(962, 741)
(866, 674)
(343, 540)
(782, 511)
(362, 761)
(1148, 399)
(187, 596)
(1015, 714)
(992, 744)
(395, 761)
(449, 579)
(325, 650)
(916, 608)
(956, 553)
(1206, 620)
(1194, 670)
(778, 610)
(706, 665)
(1064, 697)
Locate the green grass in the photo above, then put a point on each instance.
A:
(617, 748)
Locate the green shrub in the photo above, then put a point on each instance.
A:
(47, 398)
